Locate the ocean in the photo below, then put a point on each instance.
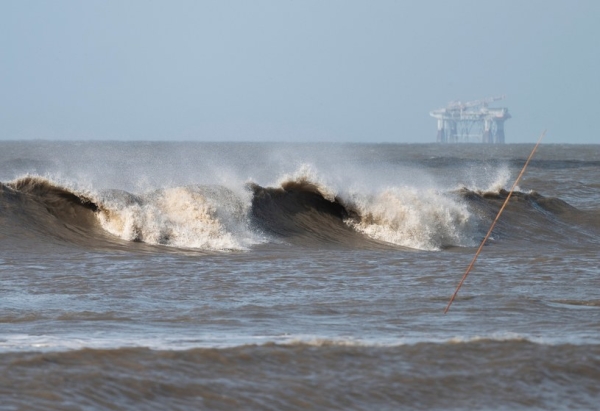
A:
(280, 276)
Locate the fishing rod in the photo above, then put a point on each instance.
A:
(464, 277)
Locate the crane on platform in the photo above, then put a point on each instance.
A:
(484, 102)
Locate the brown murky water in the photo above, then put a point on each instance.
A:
(281, 276)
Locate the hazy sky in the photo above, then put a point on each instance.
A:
(291, 70)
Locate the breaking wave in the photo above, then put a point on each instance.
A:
(426, 220)
(203, 217)
(300, 209)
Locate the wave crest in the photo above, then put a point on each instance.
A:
(302, 210)
(203, 217)
(421, 219)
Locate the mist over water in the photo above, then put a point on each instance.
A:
(294, 276)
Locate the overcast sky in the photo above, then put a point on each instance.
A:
(291, 70)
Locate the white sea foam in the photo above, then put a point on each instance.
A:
(111, 340)
(417, 218)
(501, 181)
(489, 180)
(203, 217)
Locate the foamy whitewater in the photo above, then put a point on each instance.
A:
(297, 276)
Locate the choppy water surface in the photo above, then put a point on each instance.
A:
(281, 276)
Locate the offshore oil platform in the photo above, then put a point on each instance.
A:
(471, 122)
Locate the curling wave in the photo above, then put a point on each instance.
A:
(299, 211)
(201, 217)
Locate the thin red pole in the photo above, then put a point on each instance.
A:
(464, 277)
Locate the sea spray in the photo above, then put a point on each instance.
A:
(202, 217)
(423, 219)
(414, 217)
